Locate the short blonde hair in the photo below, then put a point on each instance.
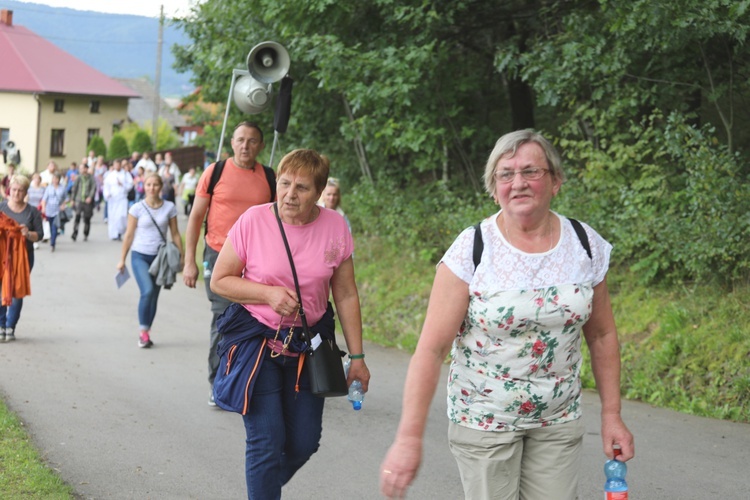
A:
(20, 181)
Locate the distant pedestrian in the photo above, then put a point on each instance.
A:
(35, 191)
(117, 183)
(99, 172)
(148, 221)
(53, 202)
(82, 196)
(331, 199)
(186, 190)
(6, 180)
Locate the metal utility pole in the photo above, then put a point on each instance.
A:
(157, 82)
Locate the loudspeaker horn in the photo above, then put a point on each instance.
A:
(268, 62)
(250, 95)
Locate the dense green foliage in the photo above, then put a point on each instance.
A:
(141, 141)
(98, 146)
(118, 147)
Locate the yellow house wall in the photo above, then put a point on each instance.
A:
(19, 113)
(76, 119)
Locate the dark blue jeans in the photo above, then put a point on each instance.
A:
(9, 315)
(53, 229)
(147, 285)
(283, 428)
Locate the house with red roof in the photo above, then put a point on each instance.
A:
(51, 103)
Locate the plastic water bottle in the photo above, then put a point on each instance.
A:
(615, 488)
(206, 269)
(356, 394)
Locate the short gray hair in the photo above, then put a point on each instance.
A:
(508, 144)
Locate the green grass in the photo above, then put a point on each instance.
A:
(23, 473)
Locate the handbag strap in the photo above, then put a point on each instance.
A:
(145, 207)
(305, 331)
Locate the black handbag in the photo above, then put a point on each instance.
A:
(323, 362)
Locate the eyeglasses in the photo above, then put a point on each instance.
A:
(528, 174)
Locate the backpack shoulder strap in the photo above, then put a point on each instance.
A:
(271, 178)
(478, 245)
(479, 242)
(215, 176)
(581, 233)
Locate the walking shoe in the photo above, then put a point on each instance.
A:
(2, 334)
(74, 236)
(10, 334)
(211, 400)
(144, 341)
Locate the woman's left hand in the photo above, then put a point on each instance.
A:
(358, 371)
(24, 230)
(282, 300)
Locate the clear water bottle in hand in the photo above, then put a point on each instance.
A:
(356, 393)
(206, 269)
(615, 488)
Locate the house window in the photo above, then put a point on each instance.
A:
(57, 147)
(59, 105)
(4, 137)
(90, 134)
(94, 107)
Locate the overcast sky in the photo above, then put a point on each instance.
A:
(148, 8)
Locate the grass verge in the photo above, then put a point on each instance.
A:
(23, 473)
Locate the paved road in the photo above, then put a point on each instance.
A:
(118, 422)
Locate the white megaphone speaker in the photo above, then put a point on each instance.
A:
(268, 62)
(250, 95)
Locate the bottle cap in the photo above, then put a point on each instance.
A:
(357, 405)
(617, 451)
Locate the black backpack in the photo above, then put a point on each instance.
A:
(479, 242)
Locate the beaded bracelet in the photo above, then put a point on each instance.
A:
(357, 356)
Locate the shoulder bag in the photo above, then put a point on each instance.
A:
(166, 265)
(322, 359)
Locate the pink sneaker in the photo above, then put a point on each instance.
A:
(144, 341)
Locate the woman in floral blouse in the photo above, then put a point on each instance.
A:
(514, 389)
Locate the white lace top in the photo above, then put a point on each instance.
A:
(516, 361)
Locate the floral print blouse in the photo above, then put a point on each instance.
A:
(516, 360)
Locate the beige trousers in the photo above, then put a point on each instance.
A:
(538, 464)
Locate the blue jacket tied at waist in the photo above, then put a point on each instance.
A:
(242, 350)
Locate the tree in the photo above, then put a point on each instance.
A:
(141, 142)
(166, 137)
(118, 147)
(420, 101)
(97, 145)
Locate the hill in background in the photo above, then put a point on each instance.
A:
(121, 46)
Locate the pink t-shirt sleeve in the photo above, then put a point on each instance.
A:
(318, 250)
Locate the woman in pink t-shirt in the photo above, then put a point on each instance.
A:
(283, 419)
